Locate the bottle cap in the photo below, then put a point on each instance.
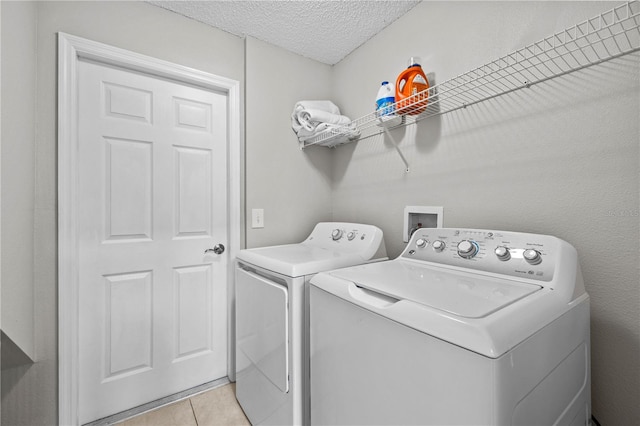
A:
(384, 82)
(414, 60)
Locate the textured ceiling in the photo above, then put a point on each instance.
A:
(324, 30)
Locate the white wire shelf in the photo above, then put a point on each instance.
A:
(609, 35)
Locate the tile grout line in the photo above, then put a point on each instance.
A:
(193, 411)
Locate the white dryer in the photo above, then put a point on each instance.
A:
(465, 327)
(272, 318)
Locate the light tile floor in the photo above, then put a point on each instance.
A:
(217, 407)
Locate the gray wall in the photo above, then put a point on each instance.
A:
(292, 186)
(18, 172)
(559, 158)
(29, 394)
(0, 197)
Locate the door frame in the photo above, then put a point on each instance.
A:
(71, 50)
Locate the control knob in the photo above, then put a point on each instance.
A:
(438, 245)
(532, 256)
(336, 234)
(421, 243)
(467, 249)
(351, 235)
(502, 253)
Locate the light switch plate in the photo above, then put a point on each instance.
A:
(257, 218)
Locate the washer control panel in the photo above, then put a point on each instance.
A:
(516, 254)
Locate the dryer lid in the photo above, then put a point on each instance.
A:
(330, 245)
(295, 260)
(455, 292)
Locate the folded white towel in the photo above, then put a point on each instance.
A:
(327, 106)
(311, 118)
(331, 135)
(309, 114)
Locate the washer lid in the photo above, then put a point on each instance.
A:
(459, 293)
(295, 260)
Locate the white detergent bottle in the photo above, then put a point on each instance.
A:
(385, 100)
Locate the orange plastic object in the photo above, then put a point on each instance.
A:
(411, 94)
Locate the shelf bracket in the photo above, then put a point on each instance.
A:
(395, 145)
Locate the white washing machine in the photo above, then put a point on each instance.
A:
(272, 319)
(465, 327)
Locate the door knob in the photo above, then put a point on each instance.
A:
(217, 249)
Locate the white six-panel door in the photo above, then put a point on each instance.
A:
(152, 198)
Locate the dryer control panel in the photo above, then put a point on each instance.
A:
(516, 254)
(346, 237)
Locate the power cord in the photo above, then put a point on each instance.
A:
(594, 421)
